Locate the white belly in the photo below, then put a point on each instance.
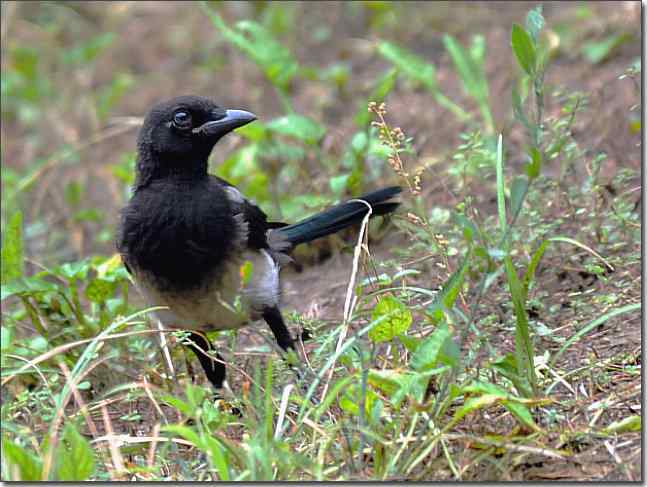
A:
(221, 305)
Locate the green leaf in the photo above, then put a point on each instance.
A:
(532, 266)
(299, 127)
(387, 380)
(178, 404)
(533, 169)
(332, 394)
(74, 455)
(397, 319)
(218, 457)
(410, 343)
(598, 51)
(469, 229)
(11, 258)
(507, 367)
(473, 404)
(339, 183)
(500, 190)
(535, 22)
(382, 86)
(444, 300)
(26, 287)
(469, 66)
(524, 49)
(426, 355)
(626, 425)
(23, 465)
(517, 108)
(524, 350)
(89, 50)
(259, 45)
(185, 432)
(410, 64)
(522, 413)
(421, 71)
(99, 290)
(518, 190)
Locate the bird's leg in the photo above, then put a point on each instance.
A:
(213, 368)
(274, 319)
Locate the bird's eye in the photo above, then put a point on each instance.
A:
(182, 119)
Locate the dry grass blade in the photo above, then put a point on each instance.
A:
(348, 303)
(117, 459)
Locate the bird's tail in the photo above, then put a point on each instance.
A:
(339, 217)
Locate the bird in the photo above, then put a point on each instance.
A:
(196, 247)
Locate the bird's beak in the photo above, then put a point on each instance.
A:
(232, 120)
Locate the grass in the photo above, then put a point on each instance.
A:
(488, 331)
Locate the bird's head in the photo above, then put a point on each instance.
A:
(178, 135)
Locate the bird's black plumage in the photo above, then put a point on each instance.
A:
(185, 235)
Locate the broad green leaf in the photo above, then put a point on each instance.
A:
(12, 250)
(299, 127)
(99, 290)
(253, 131)
(522, 413)
(218, 457)
(73, 271)
(444, 300)
(74, 455)
(387, 380)
(332, 394)
(178, 404)
(26, 286)
(410, 64)
(108, 266)
(524, 49)
(426, 355)
(397, 319)
(507, 367)
(533, 169)
(518, 190)
(519, 410)
(473, 404)
(409, 342)
(339, 183)
(22, 465)
(598, 51)
(185, 432)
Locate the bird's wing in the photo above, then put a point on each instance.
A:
(252, 216)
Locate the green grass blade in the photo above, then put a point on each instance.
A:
(500, 190)
(593, 324)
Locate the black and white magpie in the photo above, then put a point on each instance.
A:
(186, 236)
